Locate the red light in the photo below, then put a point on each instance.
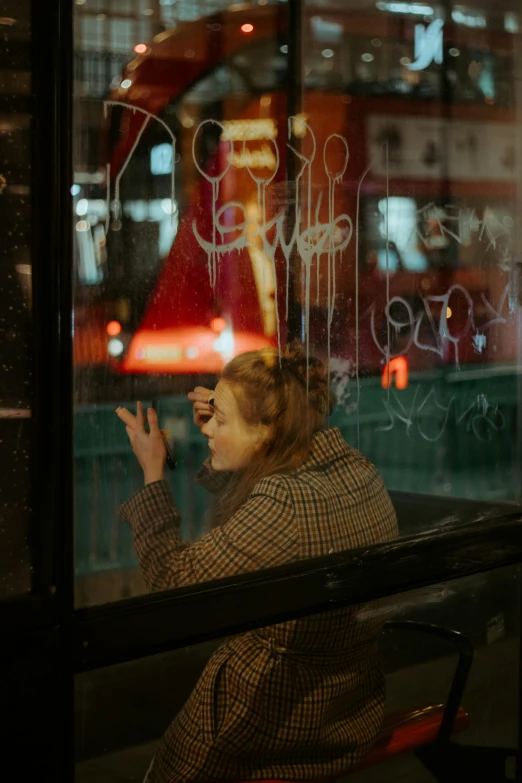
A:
(113, 328)
(397, 368)
(247, 28)
(218, 324)
(140, 48)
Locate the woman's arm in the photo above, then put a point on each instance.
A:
(261, 534)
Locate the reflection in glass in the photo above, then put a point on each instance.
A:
(379, 223)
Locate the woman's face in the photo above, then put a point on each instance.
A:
(231, 440)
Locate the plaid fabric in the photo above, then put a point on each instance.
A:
(295, 701)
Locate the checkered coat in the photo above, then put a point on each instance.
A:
(299, 700)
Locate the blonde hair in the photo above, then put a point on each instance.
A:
(288, 393)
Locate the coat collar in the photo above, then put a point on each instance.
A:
(328, 445)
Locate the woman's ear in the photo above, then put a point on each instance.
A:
(263, 434)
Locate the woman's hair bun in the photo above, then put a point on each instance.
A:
(312, 373)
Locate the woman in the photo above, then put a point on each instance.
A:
(299, 700)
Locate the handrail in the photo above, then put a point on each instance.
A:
(159, 622)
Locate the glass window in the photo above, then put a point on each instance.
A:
(16, 304)
(354, 184)
(122, 711)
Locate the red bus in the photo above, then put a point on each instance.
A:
(375, 207)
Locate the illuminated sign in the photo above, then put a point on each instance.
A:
(263, 158)
(428, 45)
(248, 130)
(396, 368)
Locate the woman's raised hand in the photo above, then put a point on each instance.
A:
(200, 405)
(148, 447)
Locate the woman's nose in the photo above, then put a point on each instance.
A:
(206, 429)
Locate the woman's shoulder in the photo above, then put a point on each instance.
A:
(276, 485)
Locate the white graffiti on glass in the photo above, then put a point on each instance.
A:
(462, 224)
(440, 331)
(309, 237)
(116, 202)
(430, 417)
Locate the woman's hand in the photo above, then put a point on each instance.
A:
(148, 448)
(200, 405)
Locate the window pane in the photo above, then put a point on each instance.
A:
(123, 710)
(355, 185)
(15, 300)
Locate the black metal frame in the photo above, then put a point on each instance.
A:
(44, 641)
(138, 627)
(460, 677)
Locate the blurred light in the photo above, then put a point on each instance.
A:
(367, 57)
(376, 42)
(325, 31)
(454, 52)
(511, 22)
(192, 352)
(115, 347)
(262, 2)
(405, 61)
(428, 44)
(140, 48)
(113, 328)
(166, 205)
(82, 206)
(396, 368)
(247, 28)
(327, 53)
(167, 2)
(218, 324)
(215, 27)
(266, 100)
(406, 8)
(449, 312)
(115, 82)
(81, 2)
(83, 225)
(398, 225)
(126, 83)
(161, 159)
(189, 53)
(75, 189)
(101, 17)
(468, 20)
(147, 12)
(284, 49)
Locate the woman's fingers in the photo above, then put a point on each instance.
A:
(200, 394)
(127, 417)
(152, 418)
(202, 413)
(203, 406)
(140, 418)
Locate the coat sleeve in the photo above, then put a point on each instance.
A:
(213, 480)
(261, 534)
